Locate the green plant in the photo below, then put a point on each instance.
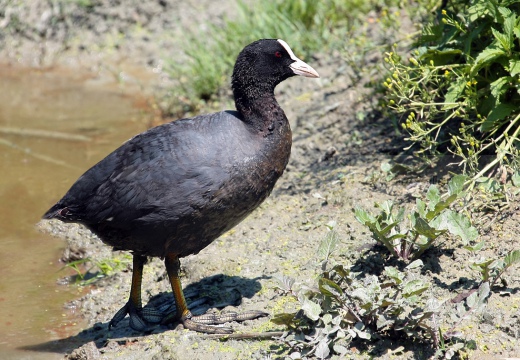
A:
(308, 26)
(346, 306)
(97, 269)
(303, 24)
(425, 224)
(459, 93)
(449, 341)
(476, 299)
(492, 269)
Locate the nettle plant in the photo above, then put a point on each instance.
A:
(409, 235)
(460, 90)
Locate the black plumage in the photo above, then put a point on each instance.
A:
(172, 190)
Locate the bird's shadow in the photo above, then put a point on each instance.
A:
(214, 292)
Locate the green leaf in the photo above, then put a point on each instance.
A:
(509, 23)
(495, 116)
(423, 228)
(481, 263)
(387, 206)
(459, 225)
(456, 184)
(394, 274)
(329, 288)
(414, 264)
(516, 31)
(500, 86)
(440, 56)
(361, 294)
(486, 57)
(328, 244)
(358, 328)
(286, 282)
(414, 287)
(384, 231)
(439, 208)
(512, 258)
(515, 178)
(311, 309)
(341, 271)
(322, 350)
(505, 12)
(455, 91)
(491, 7)
(434, 195)
(475, 247)
(286, 319)
(483, 291)
(363, 216)
(514, 67)
(471, 300)
(488, 185)
(421, 207)
(386, 167)
(339, 349)
(502, 39)
(476, 11)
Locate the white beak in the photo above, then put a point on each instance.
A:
(298, 66)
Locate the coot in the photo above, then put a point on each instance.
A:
(172, 190)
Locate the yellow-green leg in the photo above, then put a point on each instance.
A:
(199, 323)
(139, 318)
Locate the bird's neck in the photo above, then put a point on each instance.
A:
(258, 106)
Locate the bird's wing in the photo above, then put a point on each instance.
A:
(175, 164)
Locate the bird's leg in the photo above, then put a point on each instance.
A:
(199, 323)
(139, 318)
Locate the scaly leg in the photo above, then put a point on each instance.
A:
(199, 323)
(139, 318)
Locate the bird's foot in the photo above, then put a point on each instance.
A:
(203, 323)
(140, 319)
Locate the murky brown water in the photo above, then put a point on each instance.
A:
(37, 166)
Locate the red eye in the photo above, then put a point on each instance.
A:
(278, 54)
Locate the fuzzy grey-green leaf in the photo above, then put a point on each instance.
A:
(433, 195)
(328, 244)
(329, 288)
(311, 309)
(322, 350)
(512, 257)
(459, 224)
(415, 264)
(456, 184)
(515, 178)
(363, 216)
(414, 287)
(423, 228)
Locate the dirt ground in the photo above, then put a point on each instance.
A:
(339, 146)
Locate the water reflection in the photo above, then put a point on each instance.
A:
(37, 165)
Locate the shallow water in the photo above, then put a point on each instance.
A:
(54, 124)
